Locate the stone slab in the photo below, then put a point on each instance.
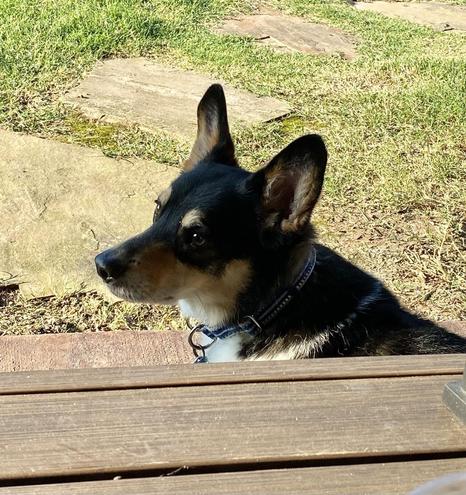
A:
(156, 97)
(93, 350)
(288, 33)
(61, 204)
(440, 16)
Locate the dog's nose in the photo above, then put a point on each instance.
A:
(109, 267)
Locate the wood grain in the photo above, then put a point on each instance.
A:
(368, 479)
(183, 375)
(130, 430)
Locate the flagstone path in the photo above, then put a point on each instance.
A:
(60, 204)
(156, 97)
(441, 16)
(288, 33)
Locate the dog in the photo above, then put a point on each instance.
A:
(237, 252)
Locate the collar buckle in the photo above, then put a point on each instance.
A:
(199, 349)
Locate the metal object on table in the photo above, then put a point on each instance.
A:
(451, 484)
(454, 396)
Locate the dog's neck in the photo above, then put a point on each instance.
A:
(206, 308)
(217, 307)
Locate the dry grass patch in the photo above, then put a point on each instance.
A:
(79, 312)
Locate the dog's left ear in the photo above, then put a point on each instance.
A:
(213, 142)
(291, 184)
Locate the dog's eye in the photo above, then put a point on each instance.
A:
(196, 239)
(158, 207)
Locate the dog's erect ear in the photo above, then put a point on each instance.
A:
(213, 140)
(291, 184)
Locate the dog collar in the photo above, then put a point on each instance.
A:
(252, 324)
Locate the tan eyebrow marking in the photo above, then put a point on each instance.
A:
(193, 217)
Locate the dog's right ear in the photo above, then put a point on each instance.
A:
(213, 142)
(291, 183)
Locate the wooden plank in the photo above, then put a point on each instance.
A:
(368, 479)
(247, 372)
(130, 430)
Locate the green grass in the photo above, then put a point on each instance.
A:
(394, 118)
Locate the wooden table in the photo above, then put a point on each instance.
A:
(325, 426)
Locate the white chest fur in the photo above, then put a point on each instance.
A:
(223, 351)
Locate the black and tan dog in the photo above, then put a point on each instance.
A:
(235, 250)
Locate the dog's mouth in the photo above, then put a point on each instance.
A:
(138, 294)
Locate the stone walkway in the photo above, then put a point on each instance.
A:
(440, 16)
(157, 97)
(60, 204)
(287, 33)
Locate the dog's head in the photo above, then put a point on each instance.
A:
(217, 221)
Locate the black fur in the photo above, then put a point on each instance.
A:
(327, 301)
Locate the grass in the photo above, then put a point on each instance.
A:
(393, 119)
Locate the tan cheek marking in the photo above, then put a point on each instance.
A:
(193, 217)
(225, 289)
(158, 265)
(163, 271)
(237, 275)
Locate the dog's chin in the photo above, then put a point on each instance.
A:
(136, 295)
